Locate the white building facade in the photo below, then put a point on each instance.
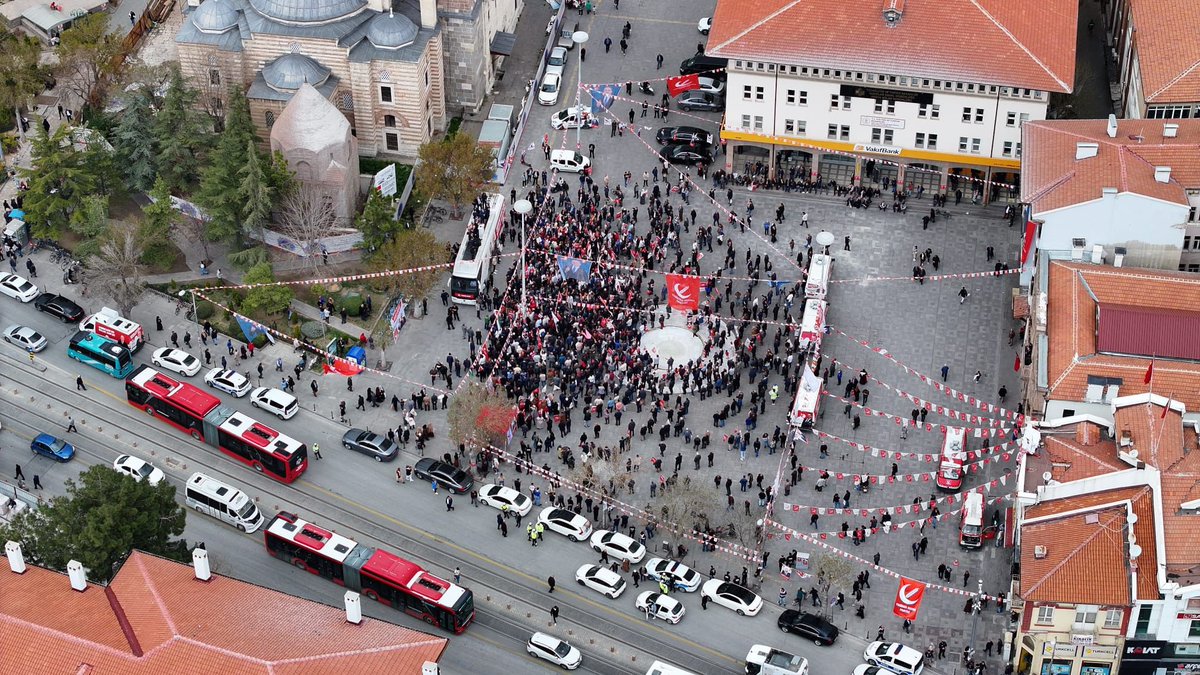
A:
(879, 98)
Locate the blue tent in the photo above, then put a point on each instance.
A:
(357, 354)
(17, 214)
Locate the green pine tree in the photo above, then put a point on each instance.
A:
(135, 148)
(266, 299)
(57, 181)
(220, 183)
(154, 232)
(255, 193)
(179, 133)
(376, 223)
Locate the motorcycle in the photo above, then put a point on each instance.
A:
(645, 89)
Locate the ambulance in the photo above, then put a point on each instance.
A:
(107, 323)
(970, 533)
(808, 399)
(812, 325)
(954, 455)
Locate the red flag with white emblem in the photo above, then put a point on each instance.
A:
(683, 292)
(678, 85)
(908, 598)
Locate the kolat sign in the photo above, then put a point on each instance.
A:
(908, 598)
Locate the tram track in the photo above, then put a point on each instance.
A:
(510, 586)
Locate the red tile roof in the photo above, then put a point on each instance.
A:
(1019, 44)
(1071, 329)
(1149, 331)
(1170, 66)
(156, 617)
(1051, 177)
(1087, 563)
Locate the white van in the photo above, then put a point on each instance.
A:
(214, 498)
(568, 160)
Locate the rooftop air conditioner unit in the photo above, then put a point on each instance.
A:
(1077, 246)
(1097, 254)
(1040, 552)
(1119, 256)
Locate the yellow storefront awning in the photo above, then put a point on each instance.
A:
(871, 150)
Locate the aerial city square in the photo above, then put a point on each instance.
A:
(792, 337)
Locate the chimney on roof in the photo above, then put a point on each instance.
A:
(16, 559)
(893, 11)
(200, 564)
(1170, 130)
(429, 16)
(77, 575)
(1126, 440)
(1162, 174)
(1108, 192)
(1087, 434)
(1086, 150)
(1118, 256)
(353, 603)
(1112, 126)
(1040, 552)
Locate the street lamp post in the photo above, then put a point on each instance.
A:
(195, 316)
(976, 607)
(523, 207)
(580, 38)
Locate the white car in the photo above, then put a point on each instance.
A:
(557, 61)
(683, 578)
(228, 381)
(868, 669)
(498, 496)
(712, 85)
(738, 598)
(664, 606)
(704, 25)
(558, 652)
(138, 469)
(548, 93)
(565, 522)
(573, 117)
(618, 546)
(17, 287)
(276, 401)
(550, 26)
(25, 337)
(600, 579)
(895, 657)
(176, 360)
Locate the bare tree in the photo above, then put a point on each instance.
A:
(478, 417)
(607, 476)
(307, 215)
(833, 573)
(116, 269)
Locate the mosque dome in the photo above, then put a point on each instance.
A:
(391, 31)
(289, 71)
(307, 11)
(215, 16)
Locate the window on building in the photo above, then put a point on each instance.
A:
(1010, 120)
(979, 115)
(1169, 112)
(835, 101)
(844, 132)
(1018, 149)
(745, 121)
(833, 132)
(975, 143)
(391, 141)
(389, 121)
(888, 136)
(790, 97)
(966, 115)
(1045, 615)
(920, 141)
(1192, 215)
(214, 77)
(963, 142)
(931, 142)
(385, 93)
(802, 97)
(758, 123)
(929, 111)
(269, 116)
(801, 127)
(747, 92)
(759, 93)
(789, 126)
(876, 135)
(1112, 619)
(1142, 627)
(878, 106)
(427, 78)
(1086, 613)
(1008, 148)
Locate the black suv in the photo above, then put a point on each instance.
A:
(808, 626)
(697, 135)
(703, 63)
(63, 308)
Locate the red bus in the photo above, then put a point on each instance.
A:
(202, 416)
(377, 574)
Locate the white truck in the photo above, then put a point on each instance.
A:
(766, 660)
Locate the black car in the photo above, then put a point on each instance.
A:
(667, 135)
(703, 63)
(701, 100)
(683, 153)
(808, 626)
(63, 308)
(430, 469)
(371, 444)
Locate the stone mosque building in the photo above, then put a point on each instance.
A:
(394, 68)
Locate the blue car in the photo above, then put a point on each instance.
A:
(54, 448)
